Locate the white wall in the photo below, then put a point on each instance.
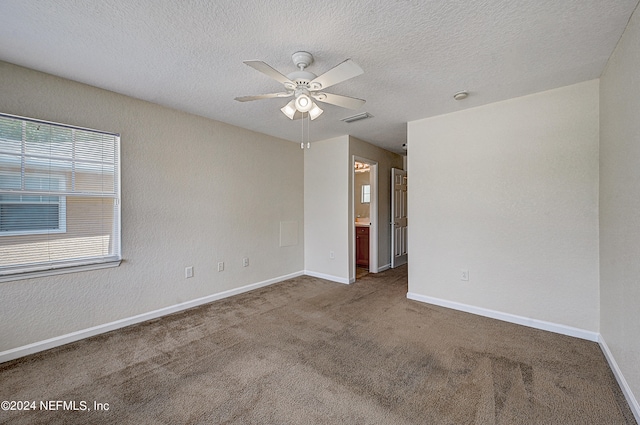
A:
(194, 192)
(620, 206)
(326, 209)
(509, 191)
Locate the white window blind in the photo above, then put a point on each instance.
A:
(59, 196)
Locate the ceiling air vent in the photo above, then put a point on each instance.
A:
(362, 116)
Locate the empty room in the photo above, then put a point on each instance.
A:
(339, 212)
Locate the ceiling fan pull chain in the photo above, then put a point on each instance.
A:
(302, 135)
(308, 127)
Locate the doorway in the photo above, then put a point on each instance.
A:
(364, 217)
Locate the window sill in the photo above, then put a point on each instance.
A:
(62, 270)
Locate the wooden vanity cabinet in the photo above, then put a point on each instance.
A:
(362, 246)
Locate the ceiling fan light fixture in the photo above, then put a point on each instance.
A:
(289, 109)
(303, 103)
(315, 112)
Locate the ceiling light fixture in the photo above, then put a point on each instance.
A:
(303, 103)
(289, 109)
(461, 95)
(361, 167)
(315, 112)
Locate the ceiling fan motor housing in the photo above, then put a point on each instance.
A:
(301, 79)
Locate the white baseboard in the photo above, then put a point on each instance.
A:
(511, 318)
(329, 277)
(35, 347)
(383, 268)
(626, 390)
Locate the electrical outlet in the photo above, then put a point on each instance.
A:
(188, 272)
(245, 262)
(464, 274)
(332, 255)
(220, 266)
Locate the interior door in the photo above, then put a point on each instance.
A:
(399, 217)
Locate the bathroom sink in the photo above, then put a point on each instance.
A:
(363, 221)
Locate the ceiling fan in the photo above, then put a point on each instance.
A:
(306, 87)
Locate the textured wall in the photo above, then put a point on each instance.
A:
(194, 192)
(510, 192)
(326, 208)
(620, 204)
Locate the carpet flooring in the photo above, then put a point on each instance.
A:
(309, 351)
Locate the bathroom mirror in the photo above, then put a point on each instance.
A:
(366, 194)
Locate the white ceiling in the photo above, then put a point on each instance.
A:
(416, 54)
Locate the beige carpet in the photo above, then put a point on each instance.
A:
(308, 351)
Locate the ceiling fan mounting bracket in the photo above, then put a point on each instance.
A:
(302, 59)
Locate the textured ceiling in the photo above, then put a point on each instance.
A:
(416, 54)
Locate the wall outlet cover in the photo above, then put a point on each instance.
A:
(464, 274)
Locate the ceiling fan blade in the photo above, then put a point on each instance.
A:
(337, 74)
(262, 96)
(339, 100)
(269, 71)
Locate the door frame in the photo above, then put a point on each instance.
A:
(373, 216)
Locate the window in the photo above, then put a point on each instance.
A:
(366, 194)
(59, 197)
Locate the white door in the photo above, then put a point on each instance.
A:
(399, 217)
